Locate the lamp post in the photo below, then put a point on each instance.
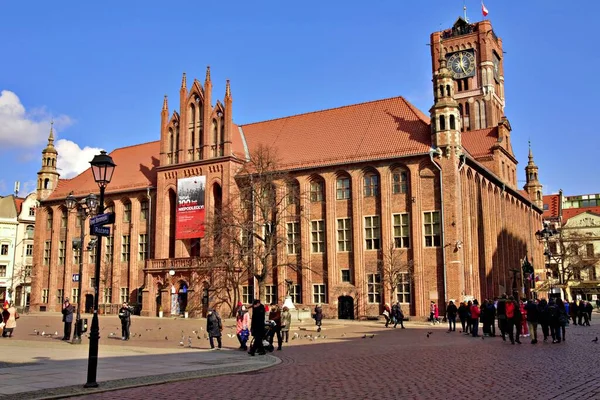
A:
(102, 168)
(84, 208)
(544, 236)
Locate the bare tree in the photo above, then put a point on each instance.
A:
(577, 259)
(248, 231)
(395, 267)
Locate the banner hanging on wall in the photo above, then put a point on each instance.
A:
(190, 207)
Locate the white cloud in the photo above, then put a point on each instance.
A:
(72, 159)
(27, 188)
(19, 128)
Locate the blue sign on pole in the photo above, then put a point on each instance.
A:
(100, 230)
(102, 219)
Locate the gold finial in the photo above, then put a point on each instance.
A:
(227, 89)
(207, 79)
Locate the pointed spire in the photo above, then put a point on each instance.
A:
(227, 90)
(207, 79)
(51, 136)
(183, 81)
(530, 154)
(165, 104)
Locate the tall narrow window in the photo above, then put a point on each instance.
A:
(319, 294)
(247, 294)
(293, 237)
(124, 295)
(45, 296)
(271, 294)
(144, 210)
(109, 249)
(215, 138)
(343, 188)
(403, 288)
(371, 188)
(344, 234)
(143, 247)
(176, 155)
(452, 122)
(399, 181)
(49, 220)
(63, 219)
(401, 230)
(316, 191)
(125, 248)
(372, 233)
(373, 288)
(442, 123)
(192, 129)
(432, 228)
(61, 252)
(127, 212)
(47, 249)
(317, 236)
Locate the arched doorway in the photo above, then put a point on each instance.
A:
(182, 297)
(345, 307)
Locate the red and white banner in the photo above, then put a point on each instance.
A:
(190, 207)
(484, 10)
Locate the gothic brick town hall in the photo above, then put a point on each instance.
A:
(437, 194)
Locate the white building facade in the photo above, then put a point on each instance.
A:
(8, 235)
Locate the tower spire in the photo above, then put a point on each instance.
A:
(530, 154)
(165, 104)
(207, 79)
(227, 89)
(184, 81)
(51, 136)
(465, 11)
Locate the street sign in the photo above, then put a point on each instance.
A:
(75, 277)
(100, 230)
(102, 219)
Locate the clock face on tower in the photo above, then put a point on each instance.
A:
(461, 64)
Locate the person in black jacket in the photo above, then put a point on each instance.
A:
(257, 328)
(214, 326)
(532, 319)
(501, 313)
(451, 311)
(125, 317)
(67, 312)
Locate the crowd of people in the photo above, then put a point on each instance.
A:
(517, 318)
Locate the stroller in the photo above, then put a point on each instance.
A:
(268, 337)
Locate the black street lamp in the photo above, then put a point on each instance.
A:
(545, 235)
(102, 168)
(84, 208)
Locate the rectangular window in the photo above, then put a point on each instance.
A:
(319, 294)
(592, 274)
(92, 282)
(293, 195)
(27, 272)
(345, 275)
(63, 219)
(93, 250)
(143, 247)
(371, 185)
(144, 210)
(317, 236)
(403, 288)
(109, 249)
(76, 256)
(316, 191)
(74, 295)
(296, 294)
(62, 250)
(127, 212)
(45, 296)
(31, 211)
(374, 288)
(432, 228)
(552, 246)
(293, 237)
(78, 222)
(2, 271)
(589, 249)
(247, 294)
(60, 293)
(399, 182)
(29, 250)
(49, 221)
(343, 189)
(372, 234)
(125, 248)
(107, 295)
(344, 234)
(47, 249)
(124, 295)
(401, 230)
(4, 250)
(271, 294)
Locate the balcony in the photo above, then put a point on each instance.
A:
(166, 264)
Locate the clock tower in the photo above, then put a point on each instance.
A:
(474, 58)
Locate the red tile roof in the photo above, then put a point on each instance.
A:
(572, 212)
(136, 169)
(376, 129)
(553, 202)
(479, 143)
(19, 204)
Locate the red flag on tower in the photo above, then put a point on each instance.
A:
(484, 10)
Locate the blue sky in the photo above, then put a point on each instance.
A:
(101, 69)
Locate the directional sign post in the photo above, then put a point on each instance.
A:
(100, 230)
(102, 219)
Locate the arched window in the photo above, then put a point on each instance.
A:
(176, 155)
(441, 91)
(47, 184)
(467, 120)
(222, 138)
(442, 123)
(29, 231)
(317, 190)
(399, 181)
(215, 138)
(539, 195)
(63, 219)
(192, 129)
(448, 92)
(49, 219)
(170, 144)
(127, 212)
(371, 187)
(452, 122)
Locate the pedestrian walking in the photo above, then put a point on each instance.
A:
(125, 317)
(67, 313)
(242, 325)
(9, 318)
(286, 323)
(532, 319)
(275, 316)
(451, 311)
(398, 315)
(257, 328)
(214, 327)
(318, 316)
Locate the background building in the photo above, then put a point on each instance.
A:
(376, 181)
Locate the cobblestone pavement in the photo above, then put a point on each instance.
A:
(405, 364)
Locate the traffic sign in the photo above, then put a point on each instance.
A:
(102, 219)
(100, 230)
(75, 277)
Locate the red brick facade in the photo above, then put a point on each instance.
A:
(460, 173)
